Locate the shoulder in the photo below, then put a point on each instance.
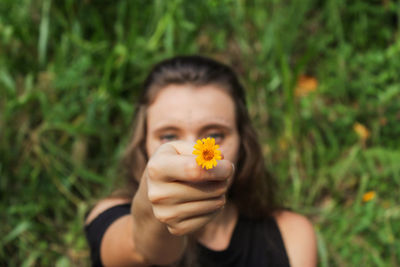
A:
(299, 237)
(104, 205)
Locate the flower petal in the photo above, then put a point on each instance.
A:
(204, 147)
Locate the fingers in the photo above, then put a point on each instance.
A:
(175, 160)
(175, 213)
(184, 168)
(224, 168)
(187, 217)
(178, 192)
(189, 226)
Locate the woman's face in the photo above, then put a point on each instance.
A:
(184, 112)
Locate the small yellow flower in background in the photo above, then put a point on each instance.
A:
(207, 153)
(362, 131)
(370, 195)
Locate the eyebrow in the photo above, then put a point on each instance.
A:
(213, 126)
(205, 128)
(166, 128)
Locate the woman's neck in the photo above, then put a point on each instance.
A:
(216, 235)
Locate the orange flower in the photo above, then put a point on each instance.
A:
(368, 196)
(306, 85)
(207, 153)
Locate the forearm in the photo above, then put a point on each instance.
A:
(151, 237)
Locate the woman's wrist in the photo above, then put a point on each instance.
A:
(151, 237)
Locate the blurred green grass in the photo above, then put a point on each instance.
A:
(70, 71)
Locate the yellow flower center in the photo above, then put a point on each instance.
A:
(208, 154)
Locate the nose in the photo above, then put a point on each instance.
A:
(191, 138)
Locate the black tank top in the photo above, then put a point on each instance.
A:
(253, 243)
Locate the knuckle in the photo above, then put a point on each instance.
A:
(152, 169)
(223, 190)
(192, 171)
(220, 192)
(164, 217)
(228, 170)
(222, 200)
(178, 231)
(156, 198)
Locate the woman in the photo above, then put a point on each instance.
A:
(173, 212)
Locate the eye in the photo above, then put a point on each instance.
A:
(164, 138)
(217, 136)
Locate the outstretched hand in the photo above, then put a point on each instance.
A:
(184, 196)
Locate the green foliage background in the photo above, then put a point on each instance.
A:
(70, 72)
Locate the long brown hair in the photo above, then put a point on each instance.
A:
(253, 190)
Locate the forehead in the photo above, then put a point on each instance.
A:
(188, 105)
